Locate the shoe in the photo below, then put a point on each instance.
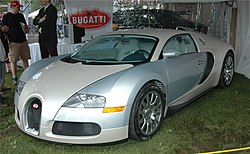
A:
(4, 101)
(4, 105)
(14, 80)
(4, 89)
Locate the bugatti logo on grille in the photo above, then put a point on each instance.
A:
(90, 19)
(35, 106)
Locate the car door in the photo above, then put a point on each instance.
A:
(184, 65)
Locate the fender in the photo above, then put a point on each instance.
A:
(37, 66)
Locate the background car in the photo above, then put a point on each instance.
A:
(154, 18)
(170, 19)
(119, 85)
(135, 19)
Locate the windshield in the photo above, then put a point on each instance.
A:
(116, 49)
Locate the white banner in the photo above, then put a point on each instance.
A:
(94, 16)
(243, 38)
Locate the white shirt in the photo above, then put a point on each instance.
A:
(45, 7)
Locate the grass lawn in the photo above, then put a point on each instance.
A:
(220, 120)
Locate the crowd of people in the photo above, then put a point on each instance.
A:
(14, 44)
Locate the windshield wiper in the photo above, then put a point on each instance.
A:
(69, 59)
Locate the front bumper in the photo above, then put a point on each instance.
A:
(113, 126)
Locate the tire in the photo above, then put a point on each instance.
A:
(147, 112)
(227, 71)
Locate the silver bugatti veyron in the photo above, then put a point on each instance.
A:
(119, 85)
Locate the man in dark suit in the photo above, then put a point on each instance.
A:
(46, 21)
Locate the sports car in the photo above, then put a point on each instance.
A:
(155, 18)
(119, 85)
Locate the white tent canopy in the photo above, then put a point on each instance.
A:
(243, 38)
(193, 1)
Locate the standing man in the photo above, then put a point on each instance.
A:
(2, 73)
(5, 43)
(15, 26)
(46, 21)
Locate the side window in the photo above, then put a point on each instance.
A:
(181, 44)
(190, 46)
(172, 46)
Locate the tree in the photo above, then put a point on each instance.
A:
(2, 2)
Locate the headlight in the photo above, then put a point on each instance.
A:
(20, 86)
(80, 100)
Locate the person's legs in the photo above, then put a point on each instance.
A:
(44, 51)
(25, 64)
(7, 50)
(52, 49)
(7, 64)
(13, 58)
(13, 66)
(2, 73)
(3, 101)
(25, 54)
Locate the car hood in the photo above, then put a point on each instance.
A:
(61, 77)
(55, 83)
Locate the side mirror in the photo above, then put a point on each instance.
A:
(78, 47)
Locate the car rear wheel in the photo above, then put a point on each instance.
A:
(147, 112)
(227, 71)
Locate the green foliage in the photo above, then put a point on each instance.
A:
(35, 5)
(218, 120)
(4, 1)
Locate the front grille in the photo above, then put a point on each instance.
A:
(75, 128)
(34, 114)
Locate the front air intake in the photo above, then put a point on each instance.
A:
(34, 115)
(75, 128)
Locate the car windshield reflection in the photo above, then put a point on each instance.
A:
(116, 49)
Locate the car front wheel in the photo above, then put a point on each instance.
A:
(147, 112)
(227, 71)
